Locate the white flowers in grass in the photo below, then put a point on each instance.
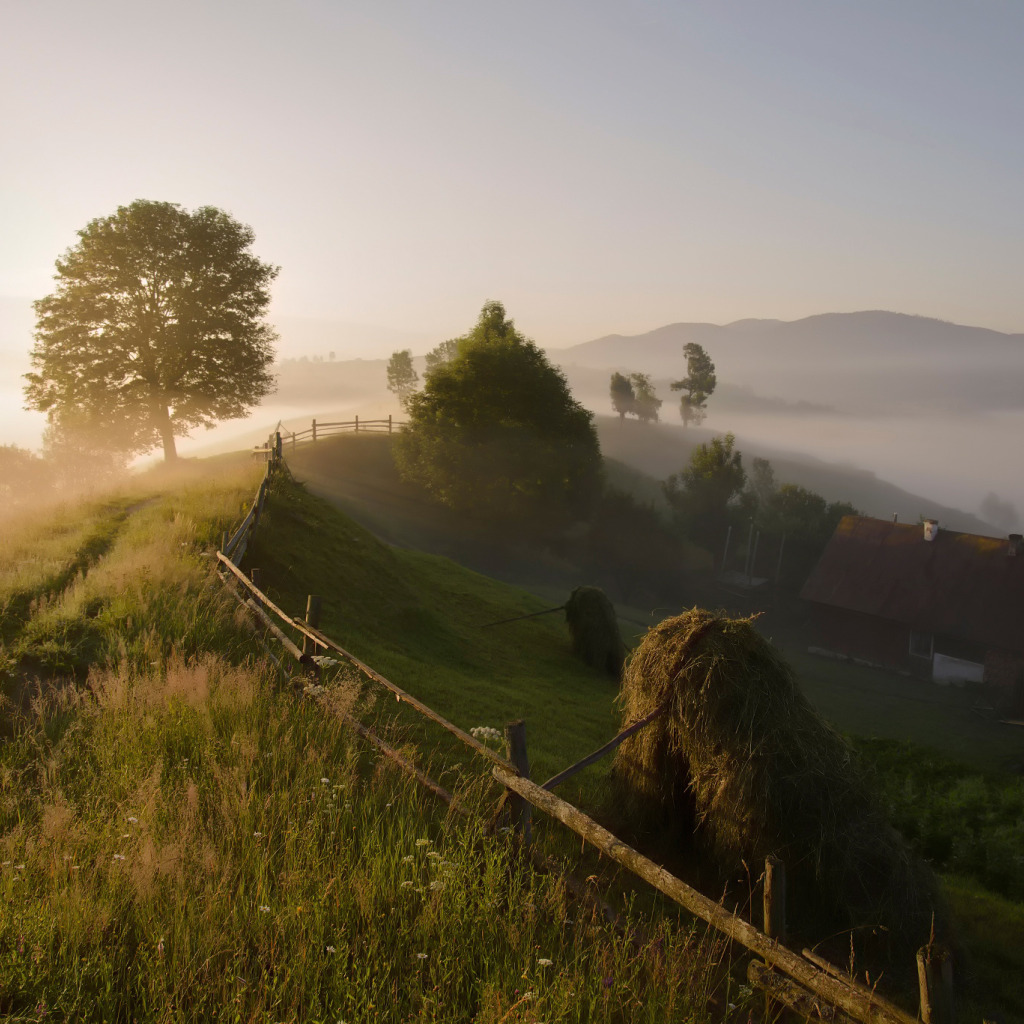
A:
(118, 856)
(423, 842)
(132, 820)
(404, 884)
(325, 781)
(257, 835)
(408, 859)
(324, 661)
(330, 949)
(487, 734)
(421, 956)
(544, 961)
(314, 690)
(264, 910)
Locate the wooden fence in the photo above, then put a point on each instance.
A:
(803, 981)
(318, 430)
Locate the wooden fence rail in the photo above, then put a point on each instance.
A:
(320, 429)
(815, 979)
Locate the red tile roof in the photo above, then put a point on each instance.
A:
(959, 584)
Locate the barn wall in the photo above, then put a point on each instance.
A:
(865, 636)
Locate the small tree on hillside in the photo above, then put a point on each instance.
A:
(701, 494)
(155, 327)
(761, 482)
(402, 377)
(645, 402)
(697, 385)
(623, 399)
(496, 433)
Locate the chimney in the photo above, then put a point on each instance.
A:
(1016, 546)
(931, 529)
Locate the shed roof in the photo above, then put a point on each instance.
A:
(959, 584)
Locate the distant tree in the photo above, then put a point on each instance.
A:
(496, 433)
(24, 476)
(155, 327)
(623, 398)
(330, 356)
(645, 402)
(999, 512)
(701, 494)
(698, 384)
(441, 354)
(78, 456)
(761, 482)
(402, 378)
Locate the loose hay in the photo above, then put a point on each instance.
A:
(767, 776)
(594, 628)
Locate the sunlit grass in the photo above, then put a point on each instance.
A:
(192, 845)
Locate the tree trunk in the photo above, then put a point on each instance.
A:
(163, 424)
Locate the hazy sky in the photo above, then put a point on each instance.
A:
(598, 167)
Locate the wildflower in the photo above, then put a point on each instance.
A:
(19, 867)
(330, 949)
(437, 884)
(423, 842)
(264, 910)
(257, 835)
(408, 859)
(160, 947)
(421, 956)
(127, 835)
(544, 961)
(434, 855)
(404, 884)
(326, 782)
(132, 820)
(118, 856)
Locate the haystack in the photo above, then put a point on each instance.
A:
(745, 756)
(594, 628)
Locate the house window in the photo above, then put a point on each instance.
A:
(922, 645)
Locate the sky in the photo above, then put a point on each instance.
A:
(598, 167)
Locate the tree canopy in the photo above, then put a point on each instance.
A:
(621, 390)
(701, 494)
(156, 326)
(402, 377)
(697, 385)
(645, 402)
(495, 432)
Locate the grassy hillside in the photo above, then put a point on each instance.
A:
(181, 838)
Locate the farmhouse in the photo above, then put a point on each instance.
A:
(943, 605)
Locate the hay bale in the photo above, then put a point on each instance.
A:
(594, 628)
(744, 754)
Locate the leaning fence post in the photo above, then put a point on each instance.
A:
(515, 742)
(313, 604)
(775, 899)
(935, 983)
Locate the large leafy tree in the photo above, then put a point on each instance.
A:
(697, 386)
(402, 376)
(496, 433)
(701, 495)
(156, 326)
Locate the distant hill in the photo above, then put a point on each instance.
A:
(866, 362)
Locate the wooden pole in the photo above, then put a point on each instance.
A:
(256, 575)
(790, 994)
(935, 984)
(313, 606)
(314, 430)
(389, 423)
(357, 424)
(515, 744)
(855, 1000)
(775, 899)
(224, 541)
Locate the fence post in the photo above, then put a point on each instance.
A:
(357, 424)
(314, 430)
(935, 983)
(224, 542)
(257, 578)
(277, 444)
(515, 742)
(775, 899)
(313, 604)
(389, 423)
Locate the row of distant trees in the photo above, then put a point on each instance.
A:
(634, 394)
